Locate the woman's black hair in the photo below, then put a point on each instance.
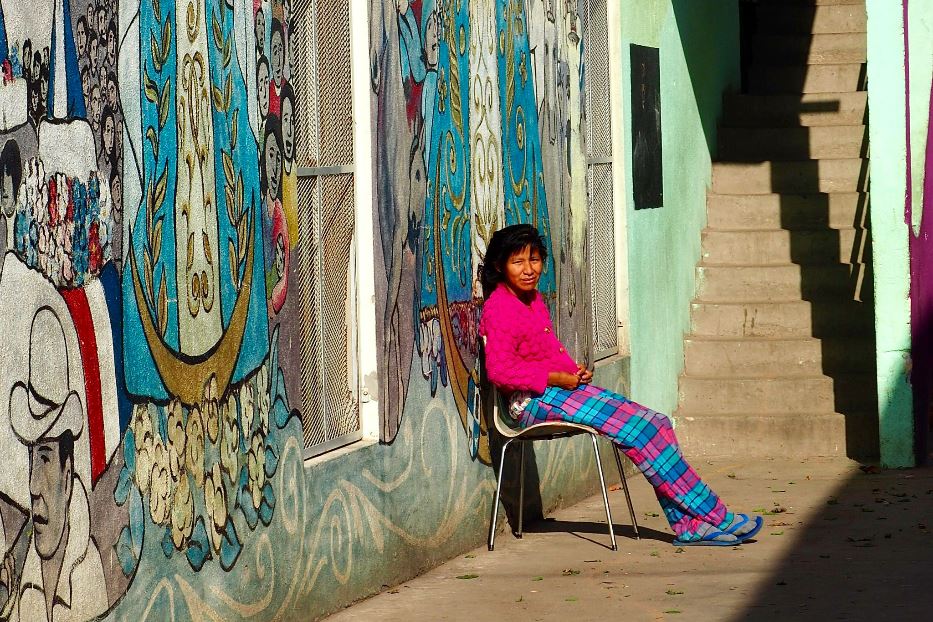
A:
(504, 243)
(11, 162)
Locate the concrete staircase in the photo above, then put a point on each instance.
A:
(780, 358)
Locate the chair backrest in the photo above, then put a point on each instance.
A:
(500, 418)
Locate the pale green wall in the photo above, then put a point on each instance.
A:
(887, 130)
(699, 52)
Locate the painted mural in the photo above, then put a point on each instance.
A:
(148, 227)
(482, 103)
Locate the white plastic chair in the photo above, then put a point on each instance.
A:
(545, 432)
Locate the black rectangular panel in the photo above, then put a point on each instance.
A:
(647, 177)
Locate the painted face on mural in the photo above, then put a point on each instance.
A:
(51, 480)
(93, 46)
(432, 43)
(523, 269)
(116, 194)
(109, 131)
(288, 132)
(277, 52)
(112, 91)
(95, 104)
(262, 85)
(90, 15)
(273, 163)
(102, 22)
(112, 44)
(260, 31)
(81, 36)
(11, 175)
(26, 55)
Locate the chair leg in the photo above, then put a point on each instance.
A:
(628, 497)
(495, 503)
(521, 490)
(602, 485)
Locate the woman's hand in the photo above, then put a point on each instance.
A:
(585, 375)
(564, 380)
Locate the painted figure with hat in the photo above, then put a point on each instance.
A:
(47, 417)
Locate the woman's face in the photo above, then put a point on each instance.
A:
(95, 103)
(93, 52)
(112, 93)
(523, 269)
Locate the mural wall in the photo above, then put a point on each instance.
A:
(481, 110)
(148, 227)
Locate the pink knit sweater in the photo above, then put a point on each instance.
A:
(521, 347)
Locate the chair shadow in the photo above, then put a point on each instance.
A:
(578, 528)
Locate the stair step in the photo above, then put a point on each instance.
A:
(779, 246)
(758, 435)
(782, 320)
(787, 211)
(808, 110)
(755, 144)
(761, 395)
(819, 19)
(775, 283)
(800, 177)
(795, 79)
(762, 358)
(789, 49)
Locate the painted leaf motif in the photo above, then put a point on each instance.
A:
(124, 550)
(168, 547)
(151, 88)
(157, 239)
(218, 32)
(122, 491)
(272, 460)
(153, 138)
(228, 194)
(156, 53)
(163, 305)
(229, 169)
(164, 105)
(233, 128)
(245, 502)
(189, 260)
(166, 40)
(267, 505)
(230, 546)
(206, 241)
(199, 547)
(147, 274)
(456, 110)
(137, 520)
(239, 191)
(228, 92)
(159, 194)
(231, 255)
(218, 98)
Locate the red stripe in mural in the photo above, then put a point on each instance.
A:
(80, 310)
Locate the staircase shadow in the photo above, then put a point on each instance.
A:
(836, 274)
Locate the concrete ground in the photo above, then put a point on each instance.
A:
(839, 543)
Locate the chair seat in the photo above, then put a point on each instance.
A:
(553, 429)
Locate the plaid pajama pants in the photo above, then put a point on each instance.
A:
(647, 438)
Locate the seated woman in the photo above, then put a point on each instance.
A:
(527, 362)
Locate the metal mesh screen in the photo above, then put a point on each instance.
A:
(601, 228)
(309, 288)
(334, 86)
(598, 99)
(307, 113)
(337, 314)
(325, 253)
(602, 266)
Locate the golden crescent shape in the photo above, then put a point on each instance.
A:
(185, 376)
(456, 369)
